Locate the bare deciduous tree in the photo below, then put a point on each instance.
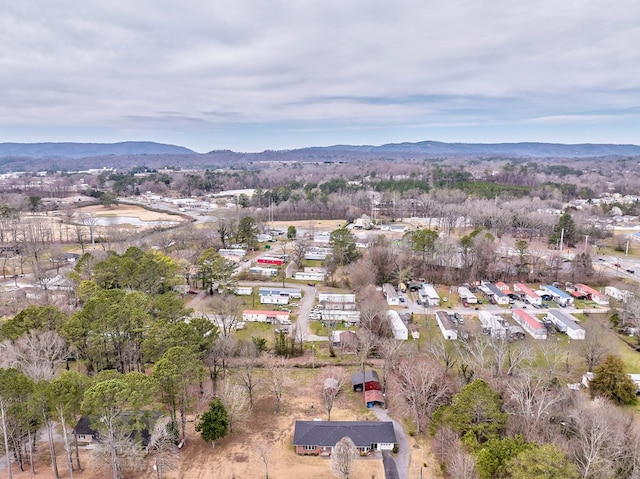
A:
(37, 354)
(391, 350)
(277, 378)
(343, 458)
(226, 313)
(333, 380)
(424, 386)
(532, 400)
(599, 438)
(235, 400)
(246, 373)
(593, 348)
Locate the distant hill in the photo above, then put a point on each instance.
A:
(85, 150)
(528, 149)
(80, 156)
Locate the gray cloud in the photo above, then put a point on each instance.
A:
(139, 66)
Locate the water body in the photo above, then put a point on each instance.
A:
(129, 220)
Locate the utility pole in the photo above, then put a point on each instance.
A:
(561, 239)
(626, 250)
(586, 239)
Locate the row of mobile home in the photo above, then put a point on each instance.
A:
(565, 323)
(530, 324)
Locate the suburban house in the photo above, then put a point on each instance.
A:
(399, 329)
(390, 294)
(85, 433)
(559, 296)
(261, 316)
(595, 296)
(371, 381)
(565, 323)
(447, 327)
(527, 294)
(530, 324)
(320, 437)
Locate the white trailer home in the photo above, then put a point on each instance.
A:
(260, 316)
(595, 296)
(493, 325)
(466, 296)
(566, 323)
(336, 298)
(618, 294)
(559, 296)
(527, 294)
(446, 326)
(530, 324)
(308, 276)
(390, 293)
(400, 331)
(497, 294)
(259, 270)
(431, 295)
(274, 299)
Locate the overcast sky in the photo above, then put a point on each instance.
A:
(250, 75)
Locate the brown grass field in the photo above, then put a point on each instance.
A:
(237, 456)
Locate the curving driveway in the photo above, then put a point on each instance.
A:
(397, 468)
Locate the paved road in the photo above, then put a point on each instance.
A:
(397, 468)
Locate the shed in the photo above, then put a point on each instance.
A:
(374, 398)
(371, 381)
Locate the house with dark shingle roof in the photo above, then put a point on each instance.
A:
(319, 437)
